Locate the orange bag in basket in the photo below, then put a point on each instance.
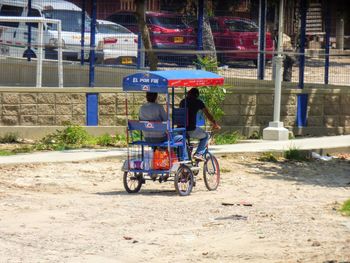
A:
(161, 159)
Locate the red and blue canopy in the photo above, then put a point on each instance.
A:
(160, 81)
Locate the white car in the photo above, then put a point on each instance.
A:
(14, 36)
(118, 43)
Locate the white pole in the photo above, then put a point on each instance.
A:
(60, 63)
(39, 69)
(276, 131)
(279, 61)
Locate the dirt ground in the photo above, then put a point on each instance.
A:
(80, 212)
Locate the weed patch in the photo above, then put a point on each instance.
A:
(268, 157)
(294, 154)
(9, 138)
(227, 138)
(6, 153)
(105, 140)
(345, 209)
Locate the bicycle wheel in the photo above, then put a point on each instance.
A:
(132, 182)
(183, 180)
(211, 172)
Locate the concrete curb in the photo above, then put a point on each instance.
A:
(323, 145)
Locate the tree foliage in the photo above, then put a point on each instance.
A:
(213, 97)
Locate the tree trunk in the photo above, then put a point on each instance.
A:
(208, 39)
(140, 14)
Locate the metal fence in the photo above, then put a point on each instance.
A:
(117, 47)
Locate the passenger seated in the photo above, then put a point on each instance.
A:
(152, 111)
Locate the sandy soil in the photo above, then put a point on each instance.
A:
(79, 212)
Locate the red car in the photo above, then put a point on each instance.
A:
(167, 31)
(237, 39)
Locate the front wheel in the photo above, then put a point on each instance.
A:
(211, 172)
(184, 180)
(132, 182)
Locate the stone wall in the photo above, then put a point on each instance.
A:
(248, 108)
(36, 108)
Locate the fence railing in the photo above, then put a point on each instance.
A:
(338, 72)
(17, 43)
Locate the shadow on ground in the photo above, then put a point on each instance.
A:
(334, 173)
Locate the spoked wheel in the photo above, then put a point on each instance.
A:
(184, 180)
(211, 172)
(132, 182)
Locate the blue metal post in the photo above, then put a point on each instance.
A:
(92, 98)
(301, 120)
(29, 40)
(262, 38)
(139, 47)
(328, 36)
(82, 42)
(92, 44)
(200, 24)
(302, 110)
(92, 109)
(302, 42)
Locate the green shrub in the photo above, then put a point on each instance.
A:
(9, 138)
(213, 97)
(6, 153)
(24, 149)
(105, 140)
(71, 137)
(295, 155)
(345, 209)
(120, 140)
(227, 138)
(268, 157)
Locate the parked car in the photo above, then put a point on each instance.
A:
(118, 43)
(167, 32)
(13, 37)
(126, 19)
(237, 38)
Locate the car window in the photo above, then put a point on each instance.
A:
(33, 13)
(123, 19)
(241, 26)
(8, 10)
(214, 25)
(168, 22)
(112, 29)
(71, 20)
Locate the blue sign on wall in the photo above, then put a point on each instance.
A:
(92, 109)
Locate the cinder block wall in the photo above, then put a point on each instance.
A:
(32, 112)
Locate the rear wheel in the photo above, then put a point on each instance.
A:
(184, 180)
(211, 172)
(132, 182)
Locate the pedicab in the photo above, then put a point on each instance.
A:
(165, 161)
